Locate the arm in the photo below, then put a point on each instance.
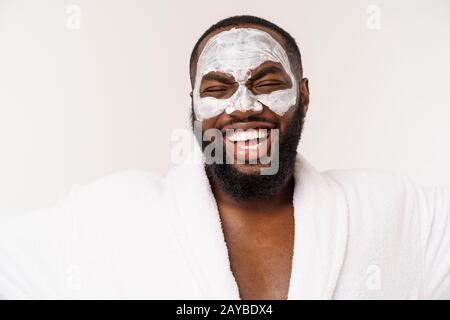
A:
(436, 240)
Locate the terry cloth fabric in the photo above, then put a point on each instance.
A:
(359, 234)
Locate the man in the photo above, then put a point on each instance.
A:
(254, 221)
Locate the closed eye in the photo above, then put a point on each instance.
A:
(215, 89)
(268, 84)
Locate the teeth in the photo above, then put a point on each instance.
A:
(262, 134)
(252, 147)
(251, 134)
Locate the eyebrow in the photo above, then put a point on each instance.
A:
(264, 71)
(224, 79)
(217, 77)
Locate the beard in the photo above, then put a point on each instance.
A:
(246, 186)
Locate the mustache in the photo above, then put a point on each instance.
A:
(252, 118)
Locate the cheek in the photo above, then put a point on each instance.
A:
(287, 116)
(209, 123)
(285, 120)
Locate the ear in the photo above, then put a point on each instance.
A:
(304, 92)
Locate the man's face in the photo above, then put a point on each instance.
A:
(262, 79)
(246, 83)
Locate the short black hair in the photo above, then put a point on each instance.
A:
(289, 42)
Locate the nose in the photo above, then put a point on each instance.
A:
(247, 105)
(244, 101)
(239, 115)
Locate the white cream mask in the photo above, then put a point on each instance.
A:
(237, 52)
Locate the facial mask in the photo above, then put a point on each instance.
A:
(237, 52)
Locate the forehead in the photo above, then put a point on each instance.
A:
(272, 33)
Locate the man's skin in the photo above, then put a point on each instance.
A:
(259, 233)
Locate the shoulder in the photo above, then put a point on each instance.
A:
(121, 182)
(112, 193)
(381, 195)
(110, 189)
(406, 220)
(376, 188)
(93, 224)
(384, 231)
(117, 190)
(382, 188)
(370, 178)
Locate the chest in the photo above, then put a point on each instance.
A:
(260, 254)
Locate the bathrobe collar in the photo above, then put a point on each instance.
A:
(321, 223)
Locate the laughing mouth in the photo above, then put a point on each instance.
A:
(248, 145)
(245, 132)
(248, 139)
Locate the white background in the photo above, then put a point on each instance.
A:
(78, 104)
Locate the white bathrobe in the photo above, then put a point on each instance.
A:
(359, 234)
